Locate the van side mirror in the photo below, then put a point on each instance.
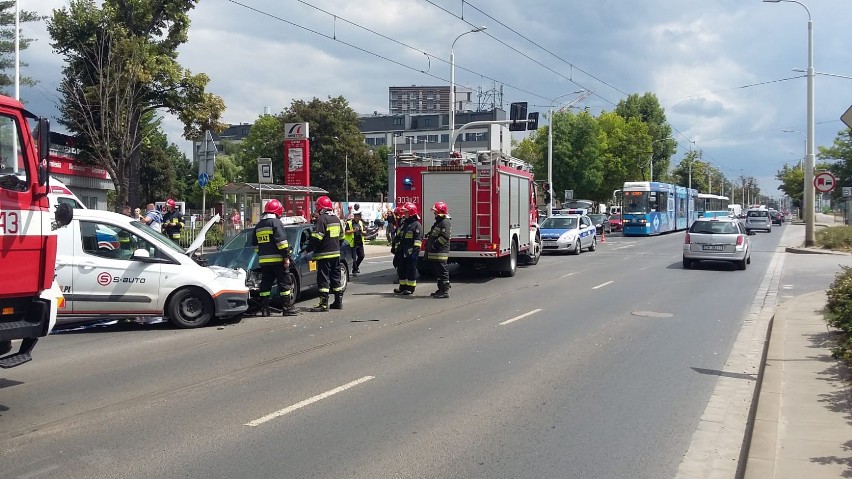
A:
(63, 216)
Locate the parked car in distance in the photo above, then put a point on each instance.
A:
(568, 233)
(239, 253)
(110, 266)
(758, 219)
(615, 222)
(722, 238)
(601, 223)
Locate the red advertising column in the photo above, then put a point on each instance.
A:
(297, 161)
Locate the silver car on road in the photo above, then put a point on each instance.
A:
(717, 239)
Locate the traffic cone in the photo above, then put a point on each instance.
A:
(603, 236)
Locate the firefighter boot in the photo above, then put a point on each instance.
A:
(443, 290)
(323, 304)
(400, 289)
(289, 307)
(409, 290)
(338, 301)
(264, 307)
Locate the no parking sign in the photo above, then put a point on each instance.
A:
(824, 182)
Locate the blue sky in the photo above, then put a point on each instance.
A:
(722, 69)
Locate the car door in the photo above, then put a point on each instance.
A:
(65, 251)
(587, 232)
(106, 277)
(305, 261)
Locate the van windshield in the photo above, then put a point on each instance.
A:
(160, 236)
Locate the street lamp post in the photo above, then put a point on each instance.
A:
(453, 85)
(585, 93)
(808, 199)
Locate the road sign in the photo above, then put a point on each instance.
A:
(569, 195)
(847, 117)
(847, 191)
(207, 155)
(264, 170)
(203, 180)
(824, 182)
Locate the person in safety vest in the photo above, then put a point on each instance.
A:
(172, 221)
(396, 251)
(410, 237)
(325, 245)
(438, 249)
(273, 255)
(354, 235)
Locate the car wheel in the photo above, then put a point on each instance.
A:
(687, 263)
(344, 276)
(577, 247)
(748, 260)
(190, 308)
(741, 265)
(594, 244)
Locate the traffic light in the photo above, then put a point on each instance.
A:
(547, 193)
(518, 112)
(532, 123)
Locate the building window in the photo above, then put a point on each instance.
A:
(445, 138)
(421, 138)
(381, 141)
(427, 122)
(398, 120)
(432, 138)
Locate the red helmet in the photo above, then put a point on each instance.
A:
(440, 208)
(324, 203)
(398, 211)
(411, 209)
(275, 207)
(171, 203)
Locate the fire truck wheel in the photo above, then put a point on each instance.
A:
(534, 253)
(509, 264)
(190, 308)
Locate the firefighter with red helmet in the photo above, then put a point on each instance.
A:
(410, 237)
(273, 254)
(325, 245)
(396, 251)
(438, 248)
(172, 221)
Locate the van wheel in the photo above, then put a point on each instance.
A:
(190, 308)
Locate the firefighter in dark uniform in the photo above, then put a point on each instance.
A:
(396, 251)
(172, 221)
(410, 237)
(325, 245)
(273, 254)
(438, 249)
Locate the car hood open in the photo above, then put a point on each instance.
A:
(199, 240)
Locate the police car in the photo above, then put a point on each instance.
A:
(112, 266)
(568, 231)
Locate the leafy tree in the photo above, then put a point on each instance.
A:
(840, 154)
(621, 144)
(648, 110)
(792, 180)
(121, 63)
(577, 156)
(7, 44)
(265, 140)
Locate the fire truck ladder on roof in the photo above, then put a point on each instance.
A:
(484, 200)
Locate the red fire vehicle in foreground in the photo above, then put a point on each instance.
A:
(491, 199)
(28, 294)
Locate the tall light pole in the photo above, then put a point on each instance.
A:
(808, 198)
(584, 94)
(453, 84)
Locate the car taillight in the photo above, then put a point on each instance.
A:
(687, 239)
(740, 240)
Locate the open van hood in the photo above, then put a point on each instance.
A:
(199, 240)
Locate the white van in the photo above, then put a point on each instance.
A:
(735, 210)
(58, 193)
(615, 210)
(113, 266)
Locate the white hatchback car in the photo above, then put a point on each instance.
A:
(112, 266)
(571, 233)
(722, 238)
(758, 220)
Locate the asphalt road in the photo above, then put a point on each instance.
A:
(598, 365)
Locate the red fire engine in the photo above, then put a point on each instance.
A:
(491, 198)
(28, 293)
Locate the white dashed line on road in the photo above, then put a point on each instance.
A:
(603, 284)
(306, 402)
(520, 317)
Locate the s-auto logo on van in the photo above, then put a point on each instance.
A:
(104, 279)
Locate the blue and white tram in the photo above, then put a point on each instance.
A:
(711, 206)
(652, 208)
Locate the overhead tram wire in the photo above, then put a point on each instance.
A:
(569, 78)
(364, 50)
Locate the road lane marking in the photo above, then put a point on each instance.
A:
(306, 402)
(520, 317)
(566, 275)
(603, 284)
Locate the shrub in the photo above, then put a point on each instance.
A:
(839, 309)
(836, 238)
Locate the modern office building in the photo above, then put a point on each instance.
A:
(427, 99)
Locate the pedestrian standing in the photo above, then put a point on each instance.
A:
(438, 249)
(237, 219)
(127, 211)
(354, 235)
(411, 236)
(173, 221)
(391, 223)
(273, 255)
(153, 217)
(325, 245)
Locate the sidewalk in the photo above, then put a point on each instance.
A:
(803, 422)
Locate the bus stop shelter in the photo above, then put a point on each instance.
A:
(249, 199)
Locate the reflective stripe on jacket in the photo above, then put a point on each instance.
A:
(270, 240)
(327, 235)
